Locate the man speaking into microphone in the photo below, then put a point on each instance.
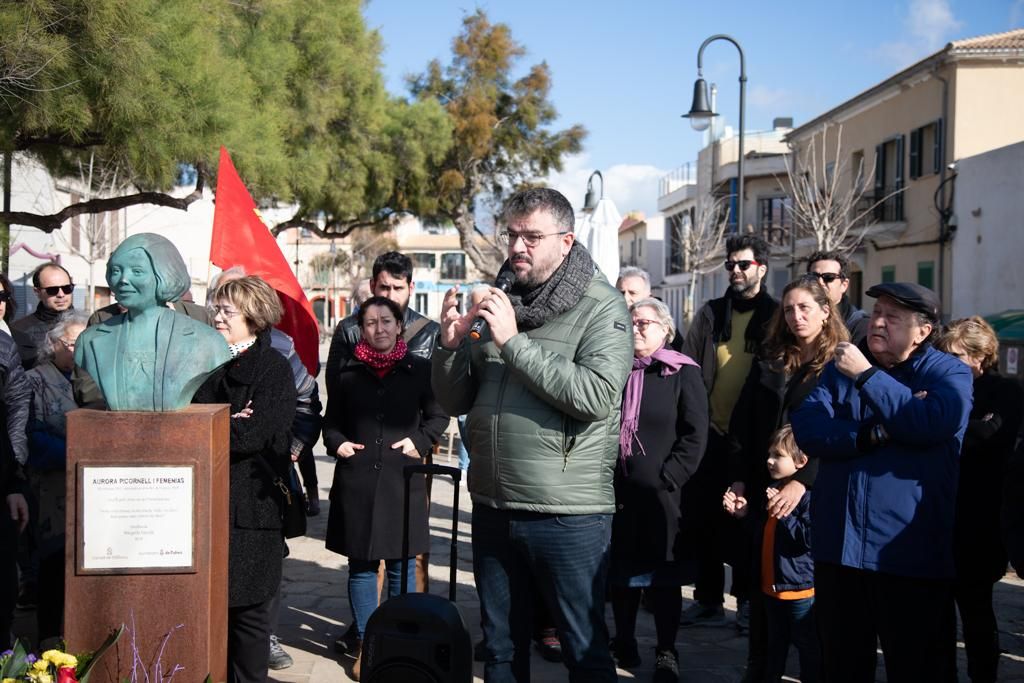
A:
(542, 388)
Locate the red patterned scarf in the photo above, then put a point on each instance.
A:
(380, 362)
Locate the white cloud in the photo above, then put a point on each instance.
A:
(630, 186)
(928, 26)
(769, 99)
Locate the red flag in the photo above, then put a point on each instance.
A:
(240, 238)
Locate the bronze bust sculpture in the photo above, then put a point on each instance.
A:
(148, 358)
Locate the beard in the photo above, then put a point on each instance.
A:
(743, 287)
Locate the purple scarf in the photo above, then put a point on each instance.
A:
(671, 361)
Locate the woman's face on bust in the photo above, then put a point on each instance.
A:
(229, 321)
(380, 328)
(132, 279)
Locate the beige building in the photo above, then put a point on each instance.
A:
(904, 133)
(641, 243)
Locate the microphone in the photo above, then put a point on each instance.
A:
(504, 282)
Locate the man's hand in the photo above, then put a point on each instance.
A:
(407, 447)
(18, 508)
(454, 325)
(850, 361)
(497, 310)
(348, 449)
(782, 502)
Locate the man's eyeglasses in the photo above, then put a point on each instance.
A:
(827, 278)
(52, 291)
(642, 325)
(530, 239)
(223, 311)
(744, 265)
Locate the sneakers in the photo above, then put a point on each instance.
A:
(666, 666)
(699, 614)
(279, 659)
(549, 646)
(743, 616)
(626, 653)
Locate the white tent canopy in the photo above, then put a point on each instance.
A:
(598, 231)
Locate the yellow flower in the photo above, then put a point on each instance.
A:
(41, 664)
(9, 680)
(69, 660)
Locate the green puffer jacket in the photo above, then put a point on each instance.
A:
(544, 412)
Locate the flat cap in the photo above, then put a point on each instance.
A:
(914, 296)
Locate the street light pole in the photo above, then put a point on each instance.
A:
(590, 202)
(700, 113)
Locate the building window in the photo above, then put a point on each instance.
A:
(421, 260)
(889, 179)
(453, 266)
(422, 304)
(640, 247)
(888, 273)
(775, 218)
(674, 227)
(926, 149)
(632, 252)
(926, 274)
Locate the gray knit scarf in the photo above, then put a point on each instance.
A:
(558, 294)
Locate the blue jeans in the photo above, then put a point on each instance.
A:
(362, 586)
(566, 558)
(463, 453)
(792, 621)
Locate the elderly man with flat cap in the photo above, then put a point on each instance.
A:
(886, 422)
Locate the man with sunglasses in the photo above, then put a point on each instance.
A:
(832, 271)
(723, 338)
(52, 285)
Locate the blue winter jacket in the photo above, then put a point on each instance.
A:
(887, 508)
(793, 568)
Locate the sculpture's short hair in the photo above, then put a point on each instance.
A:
(975, 336)
(395, 263)
(172, 278)
(255, 299)
(633, 271)
(45, 353)
(525, 202)
(49, 264)
(752, 242)
(664, 315)
(844, 263)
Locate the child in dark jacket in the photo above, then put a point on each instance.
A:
(787, 570)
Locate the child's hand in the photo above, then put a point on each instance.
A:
(735, 505)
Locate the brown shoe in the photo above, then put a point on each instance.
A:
(357, 667)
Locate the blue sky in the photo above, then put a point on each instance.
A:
(625, 70)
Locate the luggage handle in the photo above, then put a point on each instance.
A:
(456, 474)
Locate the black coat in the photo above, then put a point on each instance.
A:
(673, 429)
(977, 546)
(256, 544)
(367, 494)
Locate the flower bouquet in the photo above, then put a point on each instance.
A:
(53, 666)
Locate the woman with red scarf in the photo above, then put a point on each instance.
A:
(381, 416)
(664, 431)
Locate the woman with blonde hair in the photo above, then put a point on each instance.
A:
(258, 384)
(977, 545)
(801, 339)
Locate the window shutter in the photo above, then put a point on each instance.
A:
(937, 159)
(916, 137)
(897, 204)
(879, 182)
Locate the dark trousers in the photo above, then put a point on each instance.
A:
(249, 642)
(792, 622)
(981, 634)
(666, 602)
(720, 539)
(50, 601)
(857, 609)
(566, 558)
(8, 573)
(307, 468)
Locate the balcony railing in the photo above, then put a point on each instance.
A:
(888, 204)
(680, 177)
(776, 234)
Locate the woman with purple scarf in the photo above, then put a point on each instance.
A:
(664, 429)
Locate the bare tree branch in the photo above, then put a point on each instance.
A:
(700, 242)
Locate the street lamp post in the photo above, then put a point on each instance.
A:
(700, 111)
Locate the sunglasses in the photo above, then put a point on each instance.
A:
(729, 265)
(4, 296)
(52, 291)
(827, 278)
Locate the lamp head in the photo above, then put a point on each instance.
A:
(591, 199)
(700, 111)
